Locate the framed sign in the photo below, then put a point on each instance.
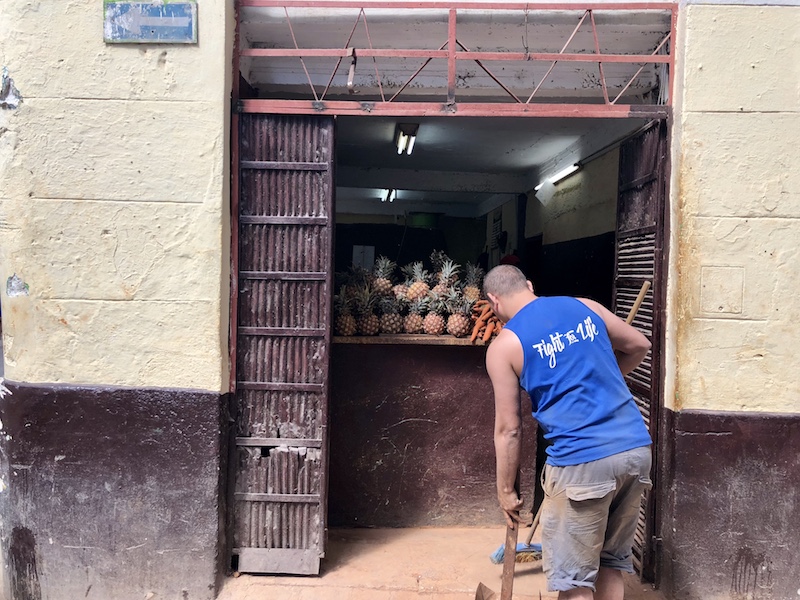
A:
(156, 22)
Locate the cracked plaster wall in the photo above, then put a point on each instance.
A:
(114, 200)
(734, 315)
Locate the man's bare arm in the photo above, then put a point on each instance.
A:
(508, 422)
(629, 343)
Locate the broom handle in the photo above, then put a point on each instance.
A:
(638, 302)
(631, 315)
(534, 524)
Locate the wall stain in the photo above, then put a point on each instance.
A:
(24, 575)
(752, 576)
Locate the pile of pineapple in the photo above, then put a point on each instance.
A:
(433, 302)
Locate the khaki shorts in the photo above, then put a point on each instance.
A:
(589, 517)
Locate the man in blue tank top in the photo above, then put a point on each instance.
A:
(570, 355)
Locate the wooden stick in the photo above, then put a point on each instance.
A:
(638, 302)
(509, 558)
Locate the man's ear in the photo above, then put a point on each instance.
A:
(530, 285)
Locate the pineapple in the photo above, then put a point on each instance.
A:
(473, 279)
(391, 321)
(438, 258)
(434, 322)
(447, 276)
(367, 322)
(401, 289)
(357, 278)
(413, 321)
(345, 323)
(419, 287)
(459, 324)
(382, 273)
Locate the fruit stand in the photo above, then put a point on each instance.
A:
(433, 303)
(411, 414)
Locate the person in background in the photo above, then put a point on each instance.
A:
(511, 259)
(570, 355)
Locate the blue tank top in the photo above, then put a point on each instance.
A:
(578, 394)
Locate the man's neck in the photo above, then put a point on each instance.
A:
(518, 301)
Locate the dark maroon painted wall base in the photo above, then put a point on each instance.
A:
(411, 438)
(110, 493)
(735, 508)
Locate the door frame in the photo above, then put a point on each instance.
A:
(242, 101)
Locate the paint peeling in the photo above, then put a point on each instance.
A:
(16, 287)
(4, 391)
(9, 94)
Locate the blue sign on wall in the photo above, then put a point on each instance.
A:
(159, 22)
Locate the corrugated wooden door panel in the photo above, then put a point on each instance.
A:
(639, 258)
(283, 342)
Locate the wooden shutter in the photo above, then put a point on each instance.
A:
(285, 228)
(641, 225)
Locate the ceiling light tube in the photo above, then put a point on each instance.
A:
(402, 142)
(411, 139)
(563, 174)
(405, 136)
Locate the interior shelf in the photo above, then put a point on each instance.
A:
(407, 339)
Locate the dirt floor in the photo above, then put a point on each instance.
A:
(407, 564)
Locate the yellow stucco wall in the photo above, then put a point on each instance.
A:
(583, 205)
(734, 325)
(114, 200)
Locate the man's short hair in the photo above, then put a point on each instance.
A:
(504, 280)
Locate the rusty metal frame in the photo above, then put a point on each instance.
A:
(235, 189)
(453, 51)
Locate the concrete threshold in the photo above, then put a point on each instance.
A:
(407, 564)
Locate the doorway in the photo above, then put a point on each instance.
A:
(562, 238)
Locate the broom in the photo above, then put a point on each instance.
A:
(528, 552)
(525, 552)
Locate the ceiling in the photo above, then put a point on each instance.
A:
(460, 166)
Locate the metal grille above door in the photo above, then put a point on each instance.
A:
(641, 224)
(285, 228)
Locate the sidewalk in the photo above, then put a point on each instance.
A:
(406, 564)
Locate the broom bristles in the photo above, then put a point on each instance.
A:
(525, 553)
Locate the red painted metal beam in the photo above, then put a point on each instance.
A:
(488, 56)
(467, 109)
(550, 56)
(438, 5)
(451, 55)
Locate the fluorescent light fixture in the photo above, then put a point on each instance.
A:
(402, 142)
(563, 174)
(388, 196)
(405, 135)
(411, 140)
(559, 177)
